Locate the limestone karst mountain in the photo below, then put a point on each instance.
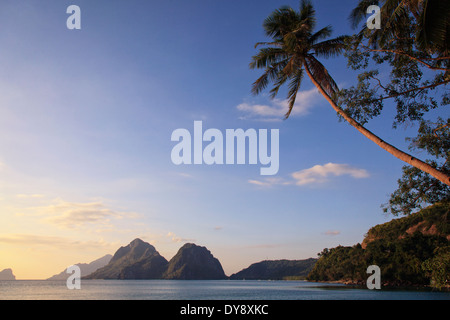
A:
(137, 260)
(7, 274)
(194, 262)
(140, 260)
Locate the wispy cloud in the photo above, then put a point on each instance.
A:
(177, 239)
(317, 174)
(332, 232)
(277, 108)
(264, 246)
(71, 215)
(29, 196)
(52, 241)
(185, 175)
(270, 181)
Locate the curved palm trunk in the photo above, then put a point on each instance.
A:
(386, 146)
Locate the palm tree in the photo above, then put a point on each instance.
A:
(293, 52)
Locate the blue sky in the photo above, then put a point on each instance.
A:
(86, 118)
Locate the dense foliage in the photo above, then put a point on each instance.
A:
(412, 250)
(436, 216)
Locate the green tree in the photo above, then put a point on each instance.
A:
(413, 44)
(438, 268)
(416, 189)
(293, 51)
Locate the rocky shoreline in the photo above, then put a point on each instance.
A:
(387, 285)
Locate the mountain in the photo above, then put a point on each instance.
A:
(276, 270)
(86, 268)
(193, 262)
(140, 260)
(137, 260)
(7, 274)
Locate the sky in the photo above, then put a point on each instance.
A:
(86, 118)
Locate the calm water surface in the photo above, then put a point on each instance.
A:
(202, 290)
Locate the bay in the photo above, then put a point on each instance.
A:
(203, 290)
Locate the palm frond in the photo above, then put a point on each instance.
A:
(307, 14)
(434, 26)
(321, 75)
(394, 15)
(331, 47)
(272, 73)
(267, 57)
(294, 87)
(282, 78)
(321, 34)
(280, 22)
(273, 43)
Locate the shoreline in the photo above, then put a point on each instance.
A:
(387, 285)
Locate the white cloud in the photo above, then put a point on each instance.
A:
(314, 175)
(320, 174)
(277, 109)
(268, 182)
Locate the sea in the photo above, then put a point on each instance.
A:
(204, 290)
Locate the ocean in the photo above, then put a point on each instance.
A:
(203, 290)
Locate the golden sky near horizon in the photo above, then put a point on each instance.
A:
(40, 237)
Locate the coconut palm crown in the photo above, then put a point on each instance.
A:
(293, 50)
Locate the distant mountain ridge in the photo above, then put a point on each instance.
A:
(276, 270)
(140, 260)
(85, 268)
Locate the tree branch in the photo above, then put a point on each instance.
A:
(409, 56)
(408, 91)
